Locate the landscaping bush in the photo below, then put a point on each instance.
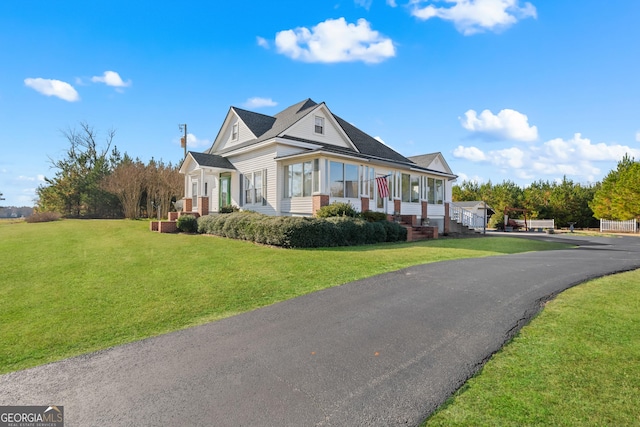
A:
(228, 209)
(337, 209)
(395, 232)
(298, 232)
(372, 216)
(43, 217)
(187, 224)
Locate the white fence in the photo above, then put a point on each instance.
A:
(630, 226)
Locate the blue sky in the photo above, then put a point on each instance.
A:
(505, 89)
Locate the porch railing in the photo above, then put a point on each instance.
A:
(465, 217)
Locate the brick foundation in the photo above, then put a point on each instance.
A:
(319, 200)
(203, 206)
(173, 216)
(364, 204)
(188, 204)
(424, 210)
(446, 219)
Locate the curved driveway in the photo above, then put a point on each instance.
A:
(380, 351)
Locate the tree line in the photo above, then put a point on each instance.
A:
(617, 197)
(93, 181)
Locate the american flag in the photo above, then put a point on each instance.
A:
(383, 187)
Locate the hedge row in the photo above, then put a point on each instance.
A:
(300, 232)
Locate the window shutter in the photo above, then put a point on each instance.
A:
(241, 198)
(264, 187)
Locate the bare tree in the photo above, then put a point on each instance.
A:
(127, 182)
(170, 185)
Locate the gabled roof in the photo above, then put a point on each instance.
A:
(364, 146)
(211, 160)
(426, 160)
(267, 127)
(472, 204)
(256, 122)
(367, 144)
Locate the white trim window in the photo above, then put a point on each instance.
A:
(343, 179)
(410, 188)
(248, 188)
(253, 187)
(235, 131)
(436, 191)
(318, 127)
(298, 179)
(257, 185)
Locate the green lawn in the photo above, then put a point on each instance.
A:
(576, 364)
(75, 286)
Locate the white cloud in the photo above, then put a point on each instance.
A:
(577, 157)
(50, 87)
(638, 136)
(194, 142)
(262, 42)
(335, 40)
(392, 3)
(475, 16)
(379, 139)
(464, 177)
(506, 125)
(579, 148)
(509, 157)
(364, 3)
(111, 78)
(469, 153)
(259, 103)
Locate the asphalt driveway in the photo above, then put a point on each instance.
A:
(383, 351)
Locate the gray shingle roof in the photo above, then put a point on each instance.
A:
(211, 160)
(256, 122)
(267, 127)
(424, 159)
(367, 144)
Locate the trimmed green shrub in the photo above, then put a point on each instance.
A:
(372, 216)
(297, 232)
(229, 209)
(187, 224)
(43, 217)
(395, 232)
(337, 209)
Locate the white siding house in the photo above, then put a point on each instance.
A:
(306, 157)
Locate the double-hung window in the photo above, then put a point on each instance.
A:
(319, 125)
(235, 133)
(248, 188)
(252, 186)
(257, 185)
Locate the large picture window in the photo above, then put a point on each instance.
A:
(298, 180)
(436, 191)
(406, 187)
(343, 180)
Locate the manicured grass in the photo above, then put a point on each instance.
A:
(577, 363)
(75, 286)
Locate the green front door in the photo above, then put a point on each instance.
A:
(225, 190)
